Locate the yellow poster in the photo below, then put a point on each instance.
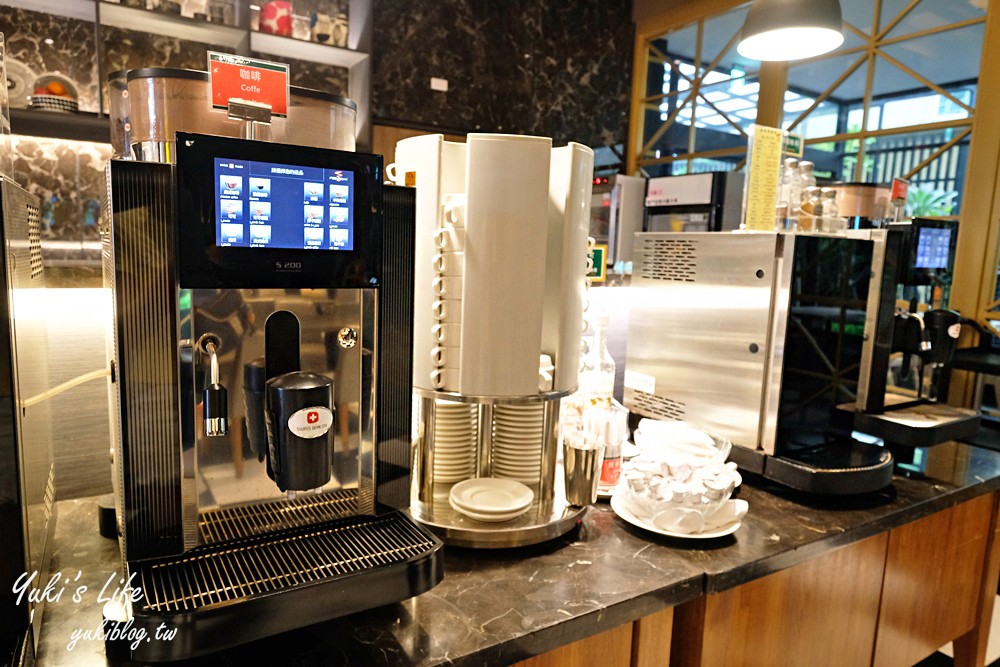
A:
(762, 182)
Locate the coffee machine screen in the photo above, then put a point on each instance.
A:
(933, 248)
(270, 205)
(247, 224)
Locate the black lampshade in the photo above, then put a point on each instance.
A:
(791, 29)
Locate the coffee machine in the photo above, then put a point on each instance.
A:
(758, 337)
(261, 390)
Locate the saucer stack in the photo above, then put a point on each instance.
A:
(491, 500)
(454, 441)
(517, 442)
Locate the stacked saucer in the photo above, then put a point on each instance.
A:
(491, 500)
(517, 442)
(454, 441)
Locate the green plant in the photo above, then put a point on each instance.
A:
(925, 201)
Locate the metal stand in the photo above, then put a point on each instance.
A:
(549, 516)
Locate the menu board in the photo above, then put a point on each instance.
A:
(760, 197)
(270, 205)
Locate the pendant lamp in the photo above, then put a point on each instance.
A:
(791, 29)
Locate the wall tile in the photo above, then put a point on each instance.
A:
(73, 51)
(549, 68)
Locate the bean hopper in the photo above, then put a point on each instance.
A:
(260, 371)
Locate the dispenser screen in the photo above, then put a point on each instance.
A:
(933, 245)
(269, 205)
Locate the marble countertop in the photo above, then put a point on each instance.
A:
(497, 607)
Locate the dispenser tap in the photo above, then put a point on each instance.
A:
(216, 404)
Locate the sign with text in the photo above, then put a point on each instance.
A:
(259, 81)
(760, 195)
(792, 144)
(597, 263)
(900, 188)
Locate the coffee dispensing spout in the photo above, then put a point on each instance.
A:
(216, 403)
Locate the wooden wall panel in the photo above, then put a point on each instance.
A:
(821, 612)
(933, 575)
(612, 648)
(384, 138)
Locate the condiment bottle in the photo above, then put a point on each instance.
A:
(597, 377)
(789, 194)
(812, 209)
(831, 212)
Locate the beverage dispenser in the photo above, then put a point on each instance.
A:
(260, 387)
(501, 242)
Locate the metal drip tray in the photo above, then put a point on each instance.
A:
(237, 522)
(227, 594)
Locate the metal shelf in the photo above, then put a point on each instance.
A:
(78, 126)
(171, 25)
(262, 42)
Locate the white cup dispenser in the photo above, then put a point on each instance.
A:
(501, 246)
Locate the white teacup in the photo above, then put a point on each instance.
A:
(443, 354)
(447, 334)
(450, 238)
(445, 378)
(449, 263)
(447, 311)
(447, 287)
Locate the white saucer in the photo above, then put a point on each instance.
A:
(621, 509)
(490, 496)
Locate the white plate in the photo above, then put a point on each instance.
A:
(487, 495)
(490, 518)
(620, 508)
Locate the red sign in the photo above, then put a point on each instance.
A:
(236, 77)
(900, 188)
(312, 417)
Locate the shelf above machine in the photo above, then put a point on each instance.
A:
(170, 25)
(302, 50)
(78, 127)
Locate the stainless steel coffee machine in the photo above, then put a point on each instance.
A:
(261, 390)
(759, 337)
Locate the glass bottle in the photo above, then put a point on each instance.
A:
(806, 175)
(597, 377)
(812, 210)
(831, 211)
(788, 194)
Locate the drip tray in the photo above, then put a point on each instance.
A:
(843, 467)
(227, 594)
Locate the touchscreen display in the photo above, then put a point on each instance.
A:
(933, 245)
(269, 205)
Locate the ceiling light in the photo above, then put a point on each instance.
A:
(791, 29)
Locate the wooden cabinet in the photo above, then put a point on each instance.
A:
(645, 643)
(891, 599)
(789, 617)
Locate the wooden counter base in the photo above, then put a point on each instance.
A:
(891, 599)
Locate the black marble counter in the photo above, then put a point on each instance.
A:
(496, 607)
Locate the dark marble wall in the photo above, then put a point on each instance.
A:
(72, 53)
(545, 67)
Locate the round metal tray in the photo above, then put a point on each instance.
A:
(542, 522)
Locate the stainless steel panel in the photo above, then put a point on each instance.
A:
(699, 329)
(229, 474)
(783, 264)
(32, 377)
